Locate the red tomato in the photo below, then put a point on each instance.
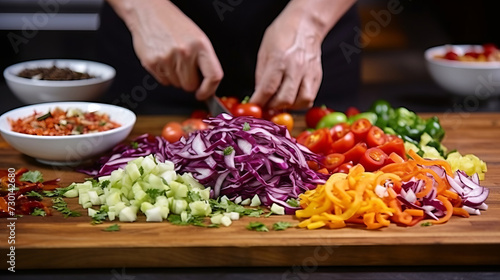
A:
(199, 114)
(344, 168)
(351, 111)
(191, 125)
(332, 161)
(301, 138)
(360, 128)
(343, 144)
(247, 109)
(375, 137)
(356, 152)
(373, 159)
(394, 145)
(339, 130)
(488, 49)
(172, 132)
(314, 114)
(268, 113)
(230, 102)
(319, 141)
(451, 55)
(284, 119)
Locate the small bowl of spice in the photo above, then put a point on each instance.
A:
(52, 80)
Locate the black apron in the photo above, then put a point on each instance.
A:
(235, 29)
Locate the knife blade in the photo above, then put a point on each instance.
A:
(215, 106)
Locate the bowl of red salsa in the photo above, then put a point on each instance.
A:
(66, 133)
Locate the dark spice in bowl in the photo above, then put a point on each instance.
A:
(54, 74)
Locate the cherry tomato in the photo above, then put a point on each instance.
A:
(314, 114)
(199, 114)
(172, 132)
(352, 111)
(356, 152)
(344, 144)
(268, 113)
(373, 159)
(191, 125)
(339, 130)
(450, 55)
(332, 161)
(360, 128)
(284, 119)
(301, 138)
(375, 137)
(319, 141)
(230, 102)
(489, 49)
(344, 168)
(247, 109)
(394, 145)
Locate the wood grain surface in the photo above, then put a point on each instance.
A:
(58, 242)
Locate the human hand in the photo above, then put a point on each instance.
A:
(289, 71)
(171, 46)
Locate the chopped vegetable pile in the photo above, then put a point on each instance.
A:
(59, 122)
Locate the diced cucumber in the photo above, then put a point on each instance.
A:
(277, 209)
(226, 221)
(91, 212)
(200, 208)
(255, 201)
(153, 214)
(128, 214)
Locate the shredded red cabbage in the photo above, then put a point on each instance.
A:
(246, 156)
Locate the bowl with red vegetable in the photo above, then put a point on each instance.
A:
(66, 133)
(471, 70)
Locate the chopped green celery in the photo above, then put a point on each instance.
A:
(178, 190)
(425, 139)
(200, 208)
(411, 146)
(91, 212)
(94, 197)
(188, 179)
(128, 214)
(234, 216)
(169, 176)
(216, 219)
(246, 201)
(277, 209)
(111, 215)
(178, 206)
(255, 201)
(184, 216)
(155, 182)
(238, 200)
(148, 164)
(226, 221)
(132, 171)
(71, 193)
(154, 214)
(113, 198)
(83, 198)
(116, 176)
(145, 206)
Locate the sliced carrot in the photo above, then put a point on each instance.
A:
(449, 210)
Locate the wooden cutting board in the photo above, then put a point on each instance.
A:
(58, 242)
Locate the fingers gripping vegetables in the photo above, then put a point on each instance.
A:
(245, 156)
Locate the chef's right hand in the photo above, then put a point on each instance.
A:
(171, 46)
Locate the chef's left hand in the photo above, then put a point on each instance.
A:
(289, 71)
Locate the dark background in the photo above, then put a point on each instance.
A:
(393, 68)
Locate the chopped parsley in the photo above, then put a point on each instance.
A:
(176, 219)
(134, 145)
(246, 126)
(99, 217)
(32, 176)
(426, 224)
(60, 205)
(257, 226)
(281, 225)
(293, 202)
(115, 227)
(59, 191)
(38, 212)
(154, 193)
(228, 150)
(34, 195)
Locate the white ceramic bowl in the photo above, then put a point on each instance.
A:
(71, 149)
(32, 91)
(480, 79)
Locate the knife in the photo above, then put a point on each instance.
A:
(215, 106)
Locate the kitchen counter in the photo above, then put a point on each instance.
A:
(153, 249)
